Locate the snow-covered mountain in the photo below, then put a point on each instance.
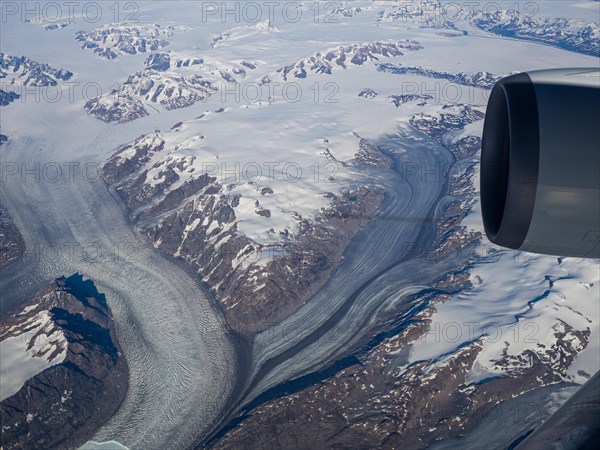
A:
(171, 81)
(24, 71)
(246, 221)
(62, 371)
(111, 40)
(422, 14)
(56, 26)
(6, 98)
(32, 345)
(177, 80)
(479, 79)
(343, 57)
(571, 34)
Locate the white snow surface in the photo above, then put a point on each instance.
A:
(504, 308)
(35, 347)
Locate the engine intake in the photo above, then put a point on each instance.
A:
(540, 163)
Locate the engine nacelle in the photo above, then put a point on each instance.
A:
(540, 163)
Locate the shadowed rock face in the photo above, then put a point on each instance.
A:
(12, 246)
(110, 41)
(63, 405)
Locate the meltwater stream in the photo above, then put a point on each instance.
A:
(181, 362)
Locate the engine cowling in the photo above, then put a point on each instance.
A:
(540, 163)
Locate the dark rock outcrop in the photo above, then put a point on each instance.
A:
(6, 98)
